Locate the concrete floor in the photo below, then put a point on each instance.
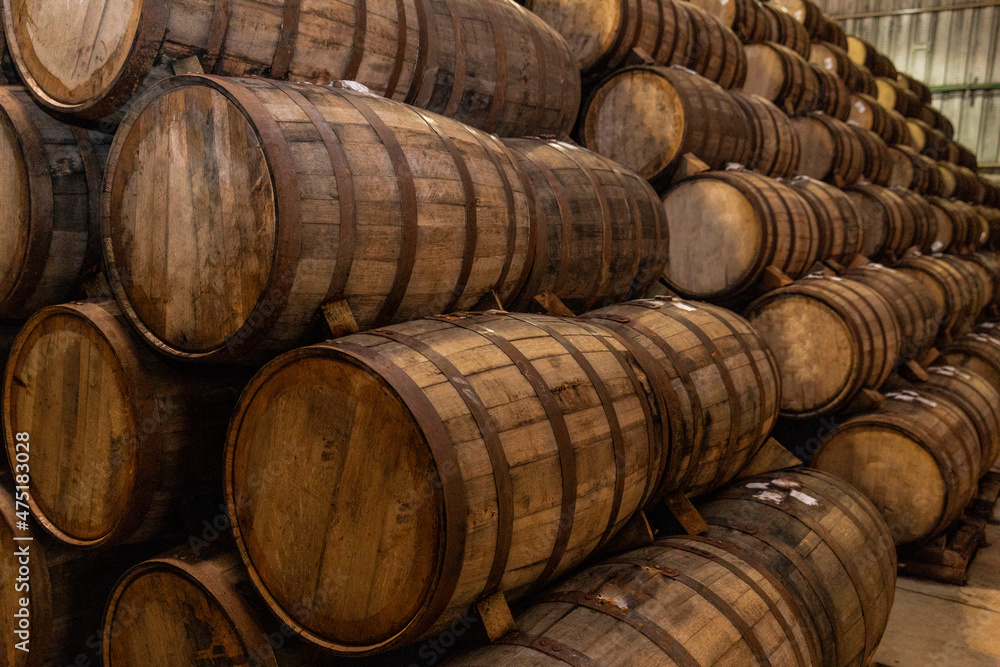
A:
(939, 625)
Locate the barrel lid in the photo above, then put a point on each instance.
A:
(636, 118)
(716, 238)
(74, 55)
(74, 383)
(339, 499)
(172, 613)
(196, 255)
(816, 351)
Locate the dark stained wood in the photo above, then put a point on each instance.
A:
(775, 149)
(827, 542)
(838, 217)
(714, 50)
(831, 151)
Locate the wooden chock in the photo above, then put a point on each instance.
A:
(914, 372)
(553, 305)
(859, 261)
(497, 619)
(339, 318)
(189, 65)
(771, 456)
(690, 165)
(835, 266)
(685, 512)
(867, 400)
(637, 56)
(773, 278)
(635, 534)
(929, 357)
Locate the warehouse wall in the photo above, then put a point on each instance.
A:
(950, 44)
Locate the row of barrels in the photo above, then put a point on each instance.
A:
(648, 118)
(489, 63)
(796, 568)
(934, 439)
(354, 199)
(728, 228)
(439, 461)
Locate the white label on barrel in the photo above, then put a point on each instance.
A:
(937, 246)
(759, 485)
(684, 306)
(803, 498)
(771, 497)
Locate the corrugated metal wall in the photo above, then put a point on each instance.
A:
(951, 46)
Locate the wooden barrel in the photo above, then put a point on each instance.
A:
(916, 86)
(893, 96)
(991, 196)
(831, 151)
(863, 53)
(746, 18)
(176, 609)
(827, 542)
(866, 83)
(878, 165)
(782, 76)
(978, 285)
(990, 262)
(833, 33)
(835, 59)
(916, 459)
(602, 232)
(966, 158)
(489, 63)
(372, 208)
(640, 608)
(979, 231)
(459, 431)
(714, 51)
(727, 227)
(788, 32)
(775, 148)
(838, 217)
(601, 36)
(992, 218)
(833, 98)
(937, 120)
(977, 352)
(921, 219)
(832, 337)
(929, 141)
(717, 381)
(887, 227)
(947, 178)
(647, 118)
(967, 185)
(909, 171)
(139, 453)
(952, 225)
(950, 288)
(805, 12)
(65, 592)
(918, 313)
(866, 112)
(52, 174)
(977, 397)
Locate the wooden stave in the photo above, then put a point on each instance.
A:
(864, 555)
(835, 59)
(63, 167)
(848, 160)
(990, 262)
(952, 218)
(977, 284)
(776, 148)
(839, 218)
(422, 71)
(263, 338)
(866, 84)
(568, 184)
(834, 34)
(976, 396)
(875, 338)
(174, 414)
(833, 98)
(893, 96)
(923, 219)
(720, 136)
(549, 629)
(379, 350)
(942, 430)
(748, 20)
(649, 328)
(867, 113)
(917, 86)
(785, 217)
(714, 50)
(918, 314)
(909, 171)
(992, 217)
(799, 87)
(805, 12)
